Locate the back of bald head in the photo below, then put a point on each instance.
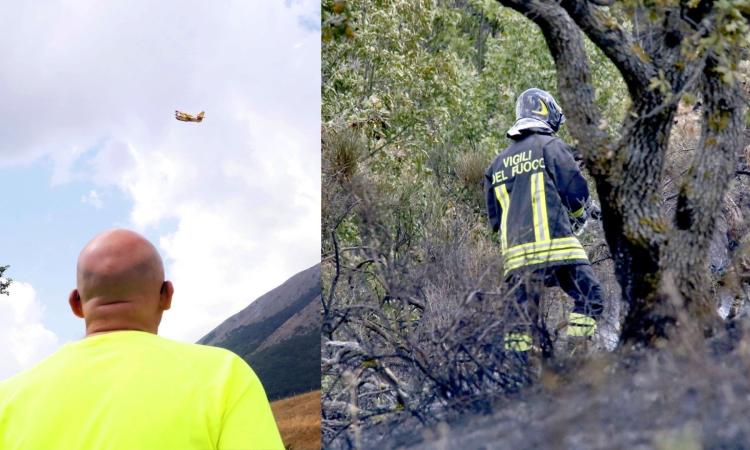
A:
(119, 265)
(120, 284)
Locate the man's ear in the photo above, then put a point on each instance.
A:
(165, 295)
(74, 300)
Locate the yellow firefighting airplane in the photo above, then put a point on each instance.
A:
(185, 117)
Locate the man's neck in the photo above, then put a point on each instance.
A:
(92, 330)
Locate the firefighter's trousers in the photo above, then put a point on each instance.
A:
(578, 281)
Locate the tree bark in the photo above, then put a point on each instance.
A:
(650, 251)
(636, 240)
(701, 195)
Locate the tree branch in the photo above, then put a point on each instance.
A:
(574, 81)
(699, 202)
(618, 45)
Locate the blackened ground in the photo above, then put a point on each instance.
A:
(690, 397)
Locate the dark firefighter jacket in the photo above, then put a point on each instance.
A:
(531, 188)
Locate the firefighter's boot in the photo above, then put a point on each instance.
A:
(580, 333)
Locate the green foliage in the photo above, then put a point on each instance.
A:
(336, 20)
(730, 35)
(291, 367)
(431, 88)
(416, 103)
(4, 281)
(470, 169)
(343, 151)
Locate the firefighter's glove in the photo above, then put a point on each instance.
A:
(578, 221)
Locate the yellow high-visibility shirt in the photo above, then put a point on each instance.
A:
(134, 390)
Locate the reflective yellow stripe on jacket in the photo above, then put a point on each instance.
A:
(539, 208)
(501, 192)
(540, 252)
(544, 248)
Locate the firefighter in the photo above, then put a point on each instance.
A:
(536, 199)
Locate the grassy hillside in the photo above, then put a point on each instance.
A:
(279, 336)
(291, 367)
(298, 418)
(246, 339)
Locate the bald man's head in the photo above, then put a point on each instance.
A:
(120, 284)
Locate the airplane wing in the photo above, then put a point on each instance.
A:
(185, 117)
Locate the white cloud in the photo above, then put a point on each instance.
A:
(25, 340)
(63, 161)
(87, 71)
(247, 220)
(92, 87)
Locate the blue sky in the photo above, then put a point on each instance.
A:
(88, 142)
(49, 225)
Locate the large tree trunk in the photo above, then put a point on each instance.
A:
(634, 189)
(653, 255)
(627, 174)
(702, 194)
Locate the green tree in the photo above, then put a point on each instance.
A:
(665, 51)
(417, 98)
(4, 281)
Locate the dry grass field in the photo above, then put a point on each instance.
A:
(298, 418)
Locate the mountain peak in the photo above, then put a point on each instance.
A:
(278, 335)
